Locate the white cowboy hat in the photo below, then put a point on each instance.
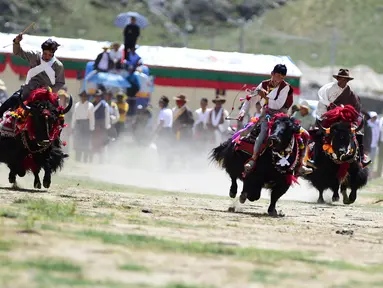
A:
(305, 104)
(372, 114)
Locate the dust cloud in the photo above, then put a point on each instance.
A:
(143, 167)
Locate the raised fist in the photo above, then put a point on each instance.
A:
(18, 38)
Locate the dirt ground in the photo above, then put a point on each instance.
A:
(82, 233)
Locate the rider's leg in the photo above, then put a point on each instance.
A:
(11, 102)
(302, 152)
(359, 138)
(257, 146)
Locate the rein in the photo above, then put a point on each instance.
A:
(25, 143)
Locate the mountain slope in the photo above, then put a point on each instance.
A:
(303, 29)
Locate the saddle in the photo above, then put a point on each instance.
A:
(246, 143)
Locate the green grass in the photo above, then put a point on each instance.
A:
(5, 245)
(42, 264)
(133, 267)
(253, 254)
(181, 285)
(48, 280)
(52, 210)
(159, 244)
(269, 276)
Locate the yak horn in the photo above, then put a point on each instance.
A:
(66, 110)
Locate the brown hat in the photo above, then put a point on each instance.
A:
(219, 99)
(343, 73)
(181, 97)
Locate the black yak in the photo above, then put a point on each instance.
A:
(275, 167)
(338, 159)
(29, 138)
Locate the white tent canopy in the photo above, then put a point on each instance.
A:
(164, 56)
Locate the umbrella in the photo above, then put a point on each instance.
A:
(124, 19)
(109, 79)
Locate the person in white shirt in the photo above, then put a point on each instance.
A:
(375, 129)
(163, 131)
(336, 94)
(200, 125)
(217, 120)
(82, 124)
(277, 96)
(103, 62)
(115, 54)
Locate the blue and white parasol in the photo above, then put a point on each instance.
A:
(124, 19)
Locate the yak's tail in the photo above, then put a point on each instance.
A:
(219, 153)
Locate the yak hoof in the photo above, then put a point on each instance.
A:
(231, 209)
(274, 213)
(37, 185)
(335, 198)
(46, 183)
(321, 200)
(12, 179)
(243, 197)
(233, 193)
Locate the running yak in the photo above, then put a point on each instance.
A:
(277, 166)
(30, 137)
(338, 159)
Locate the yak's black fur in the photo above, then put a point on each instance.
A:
(325, 176)
(13, 151)
(265, 174)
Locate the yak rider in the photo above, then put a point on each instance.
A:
(278, 97)
(336, 94)
(46, 71)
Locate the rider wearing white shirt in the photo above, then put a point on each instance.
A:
(277, 96)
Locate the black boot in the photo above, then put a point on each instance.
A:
(365, 162)
(11, 103)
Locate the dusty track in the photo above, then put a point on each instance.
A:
(105, 235)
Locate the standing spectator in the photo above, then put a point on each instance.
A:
(82, 125)
(134, 59)
(114, 114)
(217, 123)
(164, 131)
(258, 109)
(131, 34)
(132, 91)
(304, 116)
(374, 124)
(141, 127)
(201, 132)
(3, 92)
(103, 62)
(123, 109)
(246, 118)
(116, 55)
(102, 125)
(183, 120)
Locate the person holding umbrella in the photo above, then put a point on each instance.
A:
(131, 34)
